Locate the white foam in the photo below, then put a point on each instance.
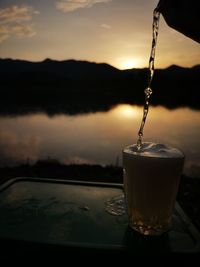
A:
(157, 150)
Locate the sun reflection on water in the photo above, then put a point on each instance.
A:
(126, 111)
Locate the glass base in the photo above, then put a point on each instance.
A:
(150, 230)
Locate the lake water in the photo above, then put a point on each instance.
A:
(98, 138)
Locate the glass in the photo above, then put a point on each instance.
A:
(151, 180)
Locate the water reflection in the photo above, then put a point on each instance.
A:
(127, 111)
(98, 137)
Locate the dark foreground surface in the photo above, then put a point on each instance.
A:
(53, 219)
(188, 194)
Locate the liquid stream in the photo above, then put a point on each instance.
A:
(148, 91)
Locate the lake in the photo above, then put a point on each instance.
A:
(98, 138)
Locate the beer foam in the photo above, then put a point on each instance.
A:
(155, 150)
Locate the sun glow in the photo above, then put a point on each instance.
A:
(128, 63)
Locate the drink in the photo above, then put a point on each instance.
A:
(151, 179)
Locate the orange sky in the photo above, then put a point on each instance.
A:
(114, 31)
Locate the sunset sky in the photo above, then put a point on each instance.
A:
(117, 32)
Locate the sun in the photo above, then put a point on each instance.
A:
(128, 63)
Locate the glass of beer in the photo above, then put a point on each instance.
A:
(151, 180)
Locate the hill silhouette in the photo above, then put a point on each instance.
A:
(72, 86)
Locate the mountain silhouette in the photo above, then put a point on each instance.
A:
(72, 86)
(69, 68)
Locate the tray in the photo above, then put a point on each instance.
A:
(72, 214)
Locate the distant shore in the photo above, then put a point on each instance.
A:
(74, 87)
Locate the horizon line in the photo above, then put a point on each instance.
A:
(94, 62)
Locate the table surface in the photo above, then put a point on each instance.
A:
(74, 214)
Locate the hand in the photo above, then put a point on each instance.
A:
(183, 16)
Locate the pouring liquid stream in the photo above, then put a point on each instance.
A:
(148, 91)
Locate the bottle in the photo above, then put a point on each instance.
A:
(183, 16)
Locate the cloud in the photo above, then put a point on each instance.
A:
(71, 5)
(16, 21)
(106, 26)
(23, 30)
